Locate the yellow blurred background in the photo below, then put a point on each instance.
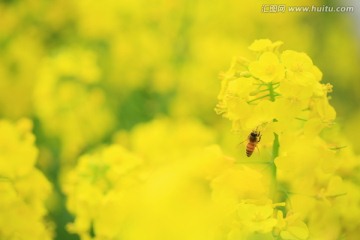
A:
(87, 72)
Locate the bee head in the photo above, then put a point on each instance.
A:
(254, 133)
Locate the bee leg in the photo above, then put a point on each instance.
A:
(259, 138)
(241, 142)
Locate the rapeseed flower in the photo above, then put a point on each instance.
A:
(290, 228)
(267, 68)
(76, 111)
(175, 191)
(91, 186)
(23, 188)
(293, 109)
(271, 82)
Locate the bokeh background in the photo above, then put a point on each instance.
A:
(91, 72)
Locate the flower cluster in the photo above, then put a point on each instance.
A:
(277, 89)
(174, 191)
(281, 95)
(75, 112)
(23, 188)
(159, 192)
(100, 190)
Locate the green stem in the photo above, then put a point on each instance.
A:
(275, 154)
(258, 98)
(337, 148)
(271, 92)
(301, 119)
(263, 90)
(276, 146)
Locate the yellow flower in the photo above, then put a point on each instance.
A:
(17, 141)
(300, 156)
(237, 183)
(348, 206)
(78, 63)
(23, 188)
(95, 177)
(268, 68)
(240, 87)
(163, 140)
(295, 92)
(254, 220)
(300, 68)
(70, 104)
(333, 190)
(291, 227)
(320, 108)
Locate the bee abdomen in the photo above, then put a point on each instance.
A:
(250, 147)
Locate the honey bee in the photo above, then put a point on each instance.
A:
(253, 138)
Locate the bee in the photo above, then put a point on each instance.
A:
(253, 138)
